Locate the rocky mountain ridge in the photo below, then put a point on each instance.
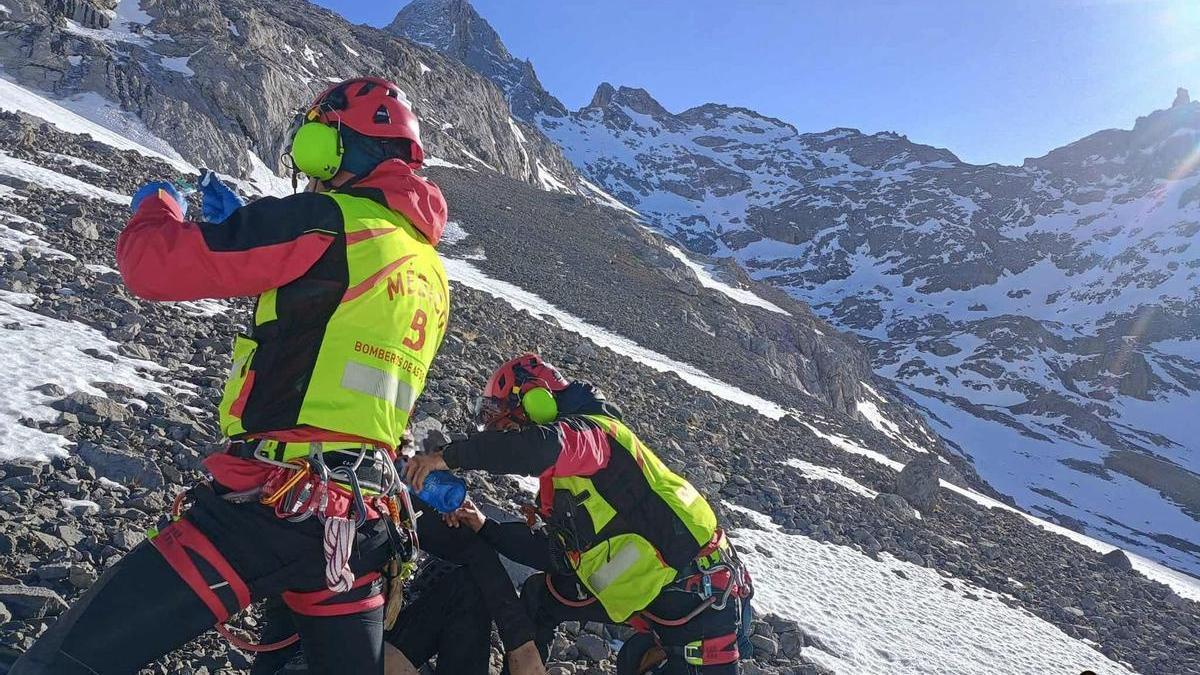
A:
(222, 81)
(1044, 316)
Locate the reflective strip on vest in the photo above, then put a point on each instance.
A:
(378, 383)
(612, 570)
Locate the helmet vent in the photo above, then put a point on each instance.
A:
(382, 116)
(365, 89)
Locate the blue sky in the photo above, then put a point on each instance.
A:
(992, 80)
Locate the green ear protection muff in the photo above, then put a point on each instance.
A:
(317, 150)
(540, 406)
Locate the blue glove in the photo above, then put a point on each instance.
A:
(219, 201)
(153, 188)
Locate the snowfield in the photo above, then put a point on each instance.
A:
(36, 350)
(19, 168)
(92, 115)
(915, 620)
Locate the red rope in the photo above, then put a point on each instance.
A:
(569, 603)
(250, 646)
(686, 618)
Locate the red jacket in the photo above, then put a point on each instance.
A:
(266, 244)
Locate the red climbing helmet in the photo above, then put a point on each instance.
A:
(520, 390)
(373, 107)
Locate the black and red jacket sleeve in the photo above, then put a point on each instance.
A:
(265, 244)
(572, 446)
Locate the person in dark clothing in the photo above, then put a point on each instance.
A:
(623, 539)
(444, 616)
(450, 617)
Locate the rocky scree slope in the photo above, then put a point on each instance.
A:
(216, 80)
(62, 522)
(1044, 316)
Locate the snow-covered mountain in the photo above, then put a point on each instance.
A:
(850, 578)
(1046, 317)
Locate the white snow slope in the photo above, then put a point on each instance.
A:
(911, 624)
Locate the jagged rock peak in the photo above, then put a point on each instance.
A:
(603, 96)
(635, 98)
(454, 28)
(449, 26)
(1181, 98)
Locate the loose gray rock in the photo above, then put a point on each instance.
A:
(92, 408)
(592, 646)
(1117, 559)
(120, 466)
(31, 602)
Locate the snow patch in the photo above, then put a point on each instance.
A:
(128, 14)
(12, 239)
(832, 475)
(424, 68)
(606, 199)
(178, 64)
(36, 350)
(453, 233)
(469, 275)
(912, 623)
(95, 116)
(53, 180)
(707, 280)
(1183, 584)
(203, 308)
(73, 161)
(266, 181)
(439, 162)
(311, 57)
(549, 181)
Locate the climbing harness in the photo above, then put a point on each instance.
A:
(716, 576)
(298, 489)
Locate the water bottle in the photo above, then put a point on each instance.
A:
(444, 491)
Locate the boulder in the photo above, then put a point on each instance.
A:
(896, 506)
(1117, 558)
(592, 646)
(91, 408)
(122, 467)
(918, 482)
(31, 602)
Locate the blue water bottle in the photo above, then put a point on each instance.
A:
(443, 491)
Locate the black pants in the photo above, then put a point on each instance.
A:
(453, 618)
(449, 620)
(141, 609)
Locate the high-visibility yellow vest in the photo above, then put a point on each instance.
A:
(345, 348)
(647, 523)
